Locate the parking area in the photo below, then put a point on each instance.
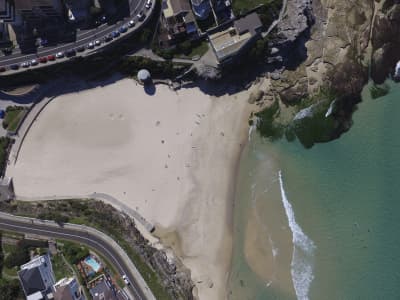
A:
(88, 42)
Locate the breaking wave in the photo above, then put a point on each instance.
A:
(303, 251)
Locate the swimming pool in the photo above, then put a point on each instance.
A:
(93, 263)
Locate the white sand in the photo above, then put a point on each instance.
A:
(171, 156)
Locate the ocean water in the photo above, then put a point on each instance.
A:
(322, 223)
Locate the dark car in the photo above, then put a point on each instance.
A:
(115, 34)
(80, 49)
(108, 38)
(141, 16)
(123, 29)
(2, 69)
(43, 60)
(14, 67)
(51, 57)
(70, 53)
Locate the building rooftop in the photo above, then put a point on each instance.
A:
(102, 291)
(250, 23)
(174, 7)
(228, 42)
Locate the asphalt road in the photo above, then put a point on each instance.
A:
(87, 238)
(83, 37)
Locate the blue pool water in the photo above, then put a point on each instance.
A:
(92, 263)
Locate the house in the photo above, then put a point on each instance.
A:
(233, 41)
(102, 290)
(201, 8)
(37, 278)
(177, 21)
(68, 289)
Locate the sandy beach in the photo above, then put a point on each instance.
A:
(172, 156)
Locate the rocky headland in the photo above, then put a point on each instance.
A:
(321, 55)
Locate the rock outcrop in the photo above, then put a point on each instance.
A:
(385, 40)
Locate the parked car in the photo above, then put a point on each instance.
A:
(90, 45)
(131, 23)
(125, 278)
(148, 4)
(34, 62)
(115, 34)
(2, 111)
(2, 69)
(70, 53)
(43, 60)
(25, 64)
(141, 16)
(123, 29)
(51, 57)
(14, 67)
(80, 49)
(60, 55)
(108, 38)
(97, 43)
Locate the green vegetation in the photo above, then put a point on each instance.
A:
(74, 252)
(103, 217)
(159, 69)
(4, 146)
(13, 116)
(9, 288)
(267, 124)
(311, 128)
(378, 91)
(186, 49)
(60, 268)
(268, 12)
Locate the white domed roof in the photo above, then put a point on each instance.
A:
(143, 75)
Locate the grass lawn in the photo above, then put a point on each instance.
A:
(10, 272)
(12, 117)
(197, 50)
(60, 268)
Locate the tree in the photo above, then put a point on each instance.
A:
(9, 289)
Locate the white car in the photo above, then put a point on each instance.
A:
(34, 62)
(97, 43)
(125, 278)
(90, 45)
(59, 55)
(25, 64)
(131, 23)
(148, 4)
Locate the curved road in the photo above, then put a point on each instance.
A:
(88, 238)
(83, 37)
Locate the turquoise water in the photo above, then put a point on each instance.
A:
(327, 227)
(92, 263)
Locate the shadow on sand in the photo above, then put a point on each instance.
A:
(150, 89)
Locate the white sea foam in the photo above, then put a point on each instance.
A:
(303, 251)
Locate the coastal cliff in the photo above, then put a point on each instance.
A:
(319, 60)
